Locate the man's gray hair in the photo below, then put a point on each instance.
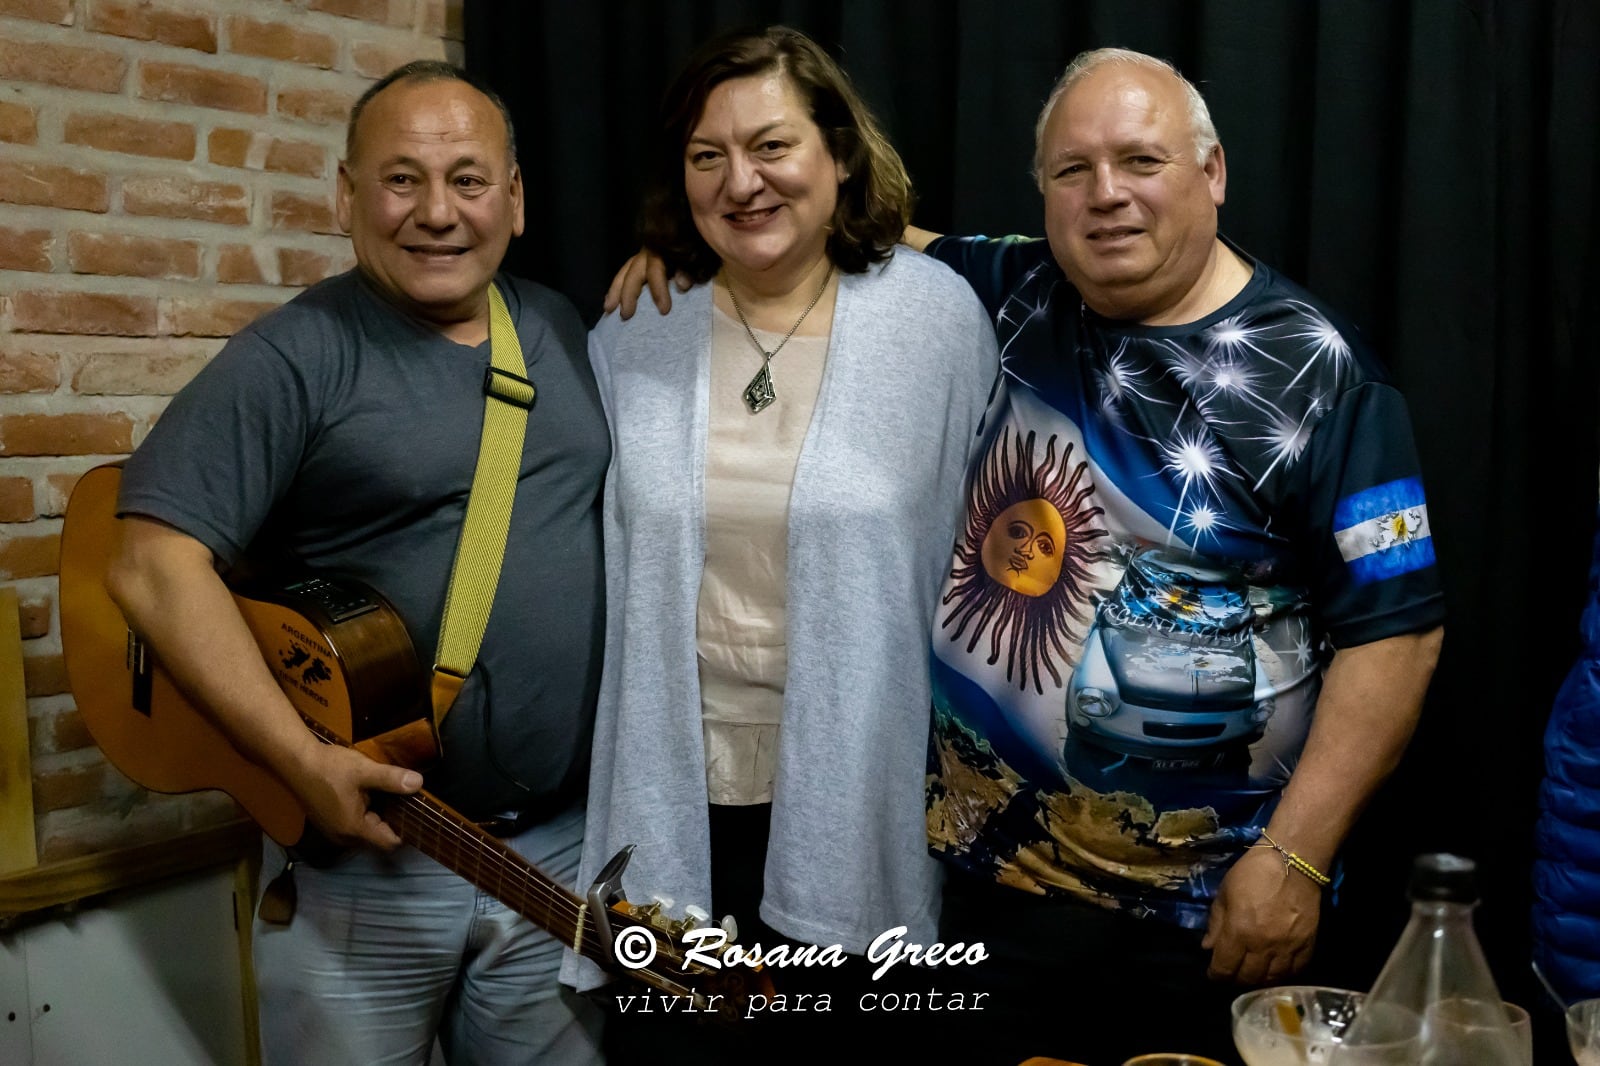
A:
(1086, 63)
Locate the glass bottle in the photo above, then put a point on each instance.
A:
(1437, 971)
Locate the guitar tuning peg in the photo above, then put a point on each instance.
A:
(730, 927)
(664, 902)
(695, 917)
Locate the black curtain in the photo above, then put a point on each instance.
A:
(1430, 167)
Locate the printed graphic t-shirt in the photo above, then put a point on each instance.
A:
(1168, 530)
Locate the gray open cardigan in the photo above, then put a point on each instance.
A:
(872, 521)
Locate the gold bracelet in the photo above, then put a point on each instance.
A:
(1295, 862)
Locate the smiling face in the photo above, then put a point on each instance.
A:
(761, 183)
(431, 198)
(1130, 213)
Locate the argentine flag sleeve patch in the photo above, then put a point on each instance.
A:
(1383, 531)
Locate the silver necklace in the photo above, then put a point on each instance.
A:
(759, 394)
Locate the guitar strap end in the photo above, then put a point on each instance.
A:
(443, 690)
(414, 745)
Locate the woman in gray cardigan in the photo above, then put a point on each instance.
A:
(788, 450)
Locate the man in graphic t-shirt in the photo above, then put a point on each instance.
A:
(1194, 609)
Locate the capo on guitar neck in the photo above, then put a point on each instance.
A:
(606, 890)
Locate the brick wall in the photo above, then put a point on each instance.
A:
(166, 174)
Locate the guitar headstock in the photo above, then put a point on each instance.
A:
(700, 959)
(688, 957)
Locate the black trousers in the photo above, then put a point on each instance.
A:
(1074, 981)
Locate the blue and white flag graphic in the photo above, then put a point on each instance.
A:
(1383, 531)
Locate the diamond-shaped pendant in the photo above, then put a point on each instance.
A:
(758, 395)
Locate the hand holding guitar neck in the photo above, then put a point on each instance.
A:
(335, 785)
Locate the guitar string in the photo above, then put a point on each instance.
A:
(543, 895)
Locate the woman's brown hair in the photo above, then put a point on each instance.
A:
(875, 197)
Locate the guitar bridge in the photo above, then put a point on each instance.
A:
(137, 661)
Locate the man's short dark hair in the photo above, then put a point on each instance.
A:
(875, 197)
(425, 70)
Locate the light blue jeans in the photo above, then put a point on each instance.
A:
(386, 952)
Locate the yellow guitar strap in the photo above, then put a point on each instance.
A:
(508, 397)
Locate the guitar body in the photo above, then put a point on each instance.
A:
(337, 649)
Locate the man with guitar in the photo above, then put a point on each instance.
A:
(341, 431)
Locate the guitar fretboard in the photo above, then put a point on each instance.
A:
(445, 836)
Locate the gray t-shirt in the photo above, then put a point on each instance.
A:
(345, 432)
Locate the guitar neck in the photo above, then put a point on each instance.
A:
(445, 836)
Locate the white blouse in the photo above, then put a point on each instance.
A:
(741, 630)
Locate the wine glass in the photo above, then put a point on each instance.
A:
(1583, 1031)
(1468, 1025)
(1304, 1025)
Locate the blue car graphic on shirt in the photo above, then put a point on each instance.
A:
(1170, 663)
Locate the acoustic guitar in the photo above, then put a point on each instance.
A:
(343, 657)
